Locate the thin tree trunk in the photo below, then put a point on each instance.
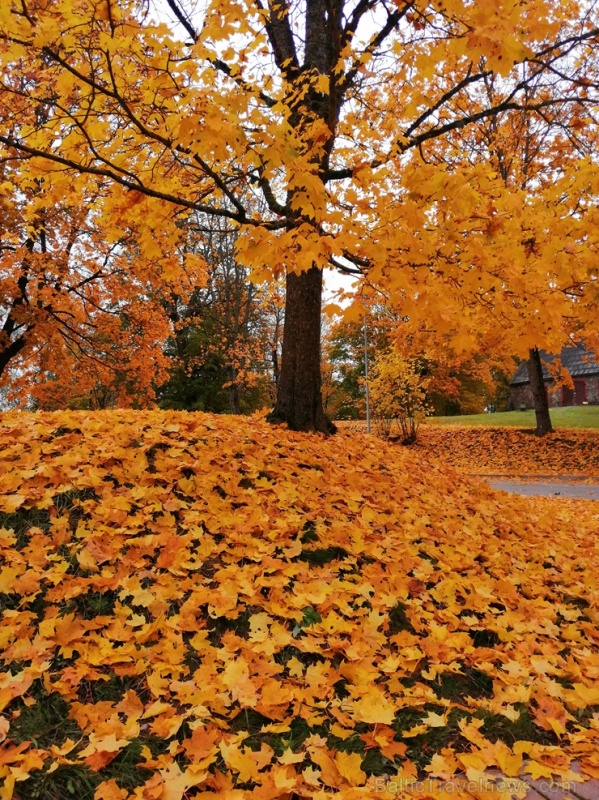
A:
(539, 393)
(234, 396)
(299, 399)
(274, 357)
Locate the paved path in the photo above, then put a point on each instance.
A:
(547, 488)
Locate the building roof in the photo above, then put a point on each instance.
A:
(579, 362)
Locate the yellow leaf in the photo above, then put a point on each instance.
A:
(350, 768)
(373, 707)
(8, 576)
(434, 720)
(240, 761)
(157, 707)
(10, 503)
(177, 782)
(289, 757)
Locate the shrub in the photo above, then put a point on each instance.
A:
(398, 391)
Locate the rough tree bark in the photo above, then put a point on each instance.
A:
(299, 398)
(539, 393)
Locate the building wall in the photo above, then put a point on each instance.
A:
(593, 389)
(555, 397)
(521, 396)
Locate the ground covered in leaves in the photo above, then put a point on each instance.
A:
(212, 607)
(509, 451)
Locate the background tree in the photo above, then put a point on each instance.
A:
(463, 271)
(321, 108)
(226, 346)
(119, 366)
(459, 381)
(472, 388)
(344, 356)
(545, 159)
(80, 312)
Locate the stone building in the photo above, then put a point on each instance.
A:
(583, 367)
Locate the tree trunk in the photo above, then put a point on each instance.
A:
(539, 393)
(299, 399)
(234, 396)
(299, 390)
(10, 352)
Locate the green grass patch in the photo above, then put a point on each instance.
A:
(570, 417)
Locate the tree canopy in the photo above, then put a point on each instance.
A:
(313, 126)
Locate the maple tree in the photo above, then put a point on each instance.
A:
(118, 368)
(552, 296)
(202, 606)
(546, 162)
(82, 320)
(323, 110)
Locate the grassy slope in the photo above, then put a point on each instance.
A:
(571, 417)
(192, 603)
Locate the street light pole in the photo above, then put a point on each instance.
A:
(366, 376)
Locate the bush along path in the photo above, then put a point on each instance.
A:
(212, 607)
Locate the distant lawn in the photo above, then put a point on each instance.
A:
(571, 417)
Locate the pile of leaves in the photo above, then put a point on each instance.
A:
(213, 607)
(512, 451)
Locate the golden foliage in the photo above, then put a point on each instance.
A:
(398, 391)
(406, 110)
(266, 614)
(82, 302)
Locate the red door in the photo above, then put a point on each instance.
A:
(567, 396)
(580, 392)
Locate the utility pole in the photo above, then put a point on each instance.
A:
(366, 376)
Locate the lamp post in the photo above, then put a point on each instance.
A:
(366, 376)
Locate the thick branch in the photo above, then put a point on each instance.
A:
(183, 19)
(10, 351)
(281, 38)
(343, 267)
